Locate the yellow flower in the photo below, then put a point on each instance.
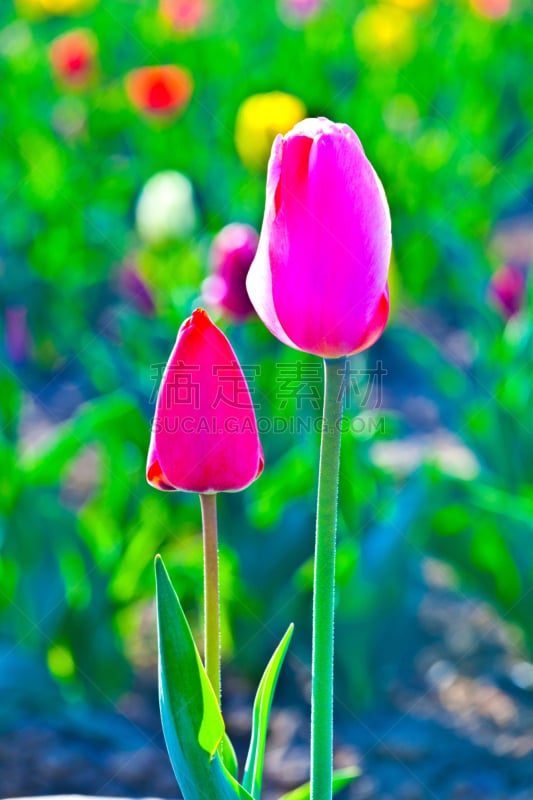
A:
(34, 9)
(384, 34)
(259, 120)
(67, 6)
(412, 5)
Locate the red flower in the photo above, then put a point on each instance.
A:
(73, 57)
(159, 91)
(204, 437)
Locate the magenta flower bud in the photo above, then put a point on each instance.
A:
(134, 289)
(507, 289)
(232, 252)
(319, 279)
(17, 336)
(204, 437)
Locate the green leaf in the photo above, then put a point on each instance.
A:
(113, 416)
(253, 771)
(190, 714)
(229, 757)
(341, 779)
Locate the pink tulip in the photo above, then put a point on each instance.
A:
(507, 289)
(232, 252)
(204, 438)
(319, 279)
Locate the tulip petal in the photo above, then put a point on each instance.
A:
(204, 437)
(154, 473)
(378, 323)
(259, 279)
(318, 281)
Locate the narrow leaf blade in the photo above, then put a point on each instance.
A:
(190, 714)
(229, 757)
(253, 771)
(341, 779)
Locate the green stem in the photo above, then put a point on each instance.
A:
(324, 583)
(211, 591)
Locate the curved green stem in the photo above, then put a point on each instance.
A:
(211, 591)
(324, 583)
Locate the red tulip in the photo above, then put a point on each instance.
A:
(204, 438)
(232, 252)
(507, 289)
(319, 279)
(74, 58)
(159, 91)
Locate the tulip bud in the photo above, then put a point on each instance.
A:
(231, 254)
(165, 210)
(319, 279)
(161, 91)
(507, 289)
(259, 119)
(204, 437)
(73, 58)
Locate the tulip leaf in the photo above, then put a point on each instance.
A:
(341, 779)
(190, 714)
(229, 757)
(253, 771)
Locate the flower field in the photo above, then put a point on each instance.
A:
(136, 189)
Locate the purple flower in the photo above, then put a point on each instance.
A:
(133, 288)
(232, 252)
(17, 337)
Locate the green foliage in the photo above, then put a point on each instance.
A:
(341, 779)
(253, 770)
(192, 721)
(78, 525)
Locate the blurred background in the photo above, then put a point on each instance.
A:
(133, 133)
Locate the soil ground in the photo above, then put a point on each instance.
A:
(458, 726)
